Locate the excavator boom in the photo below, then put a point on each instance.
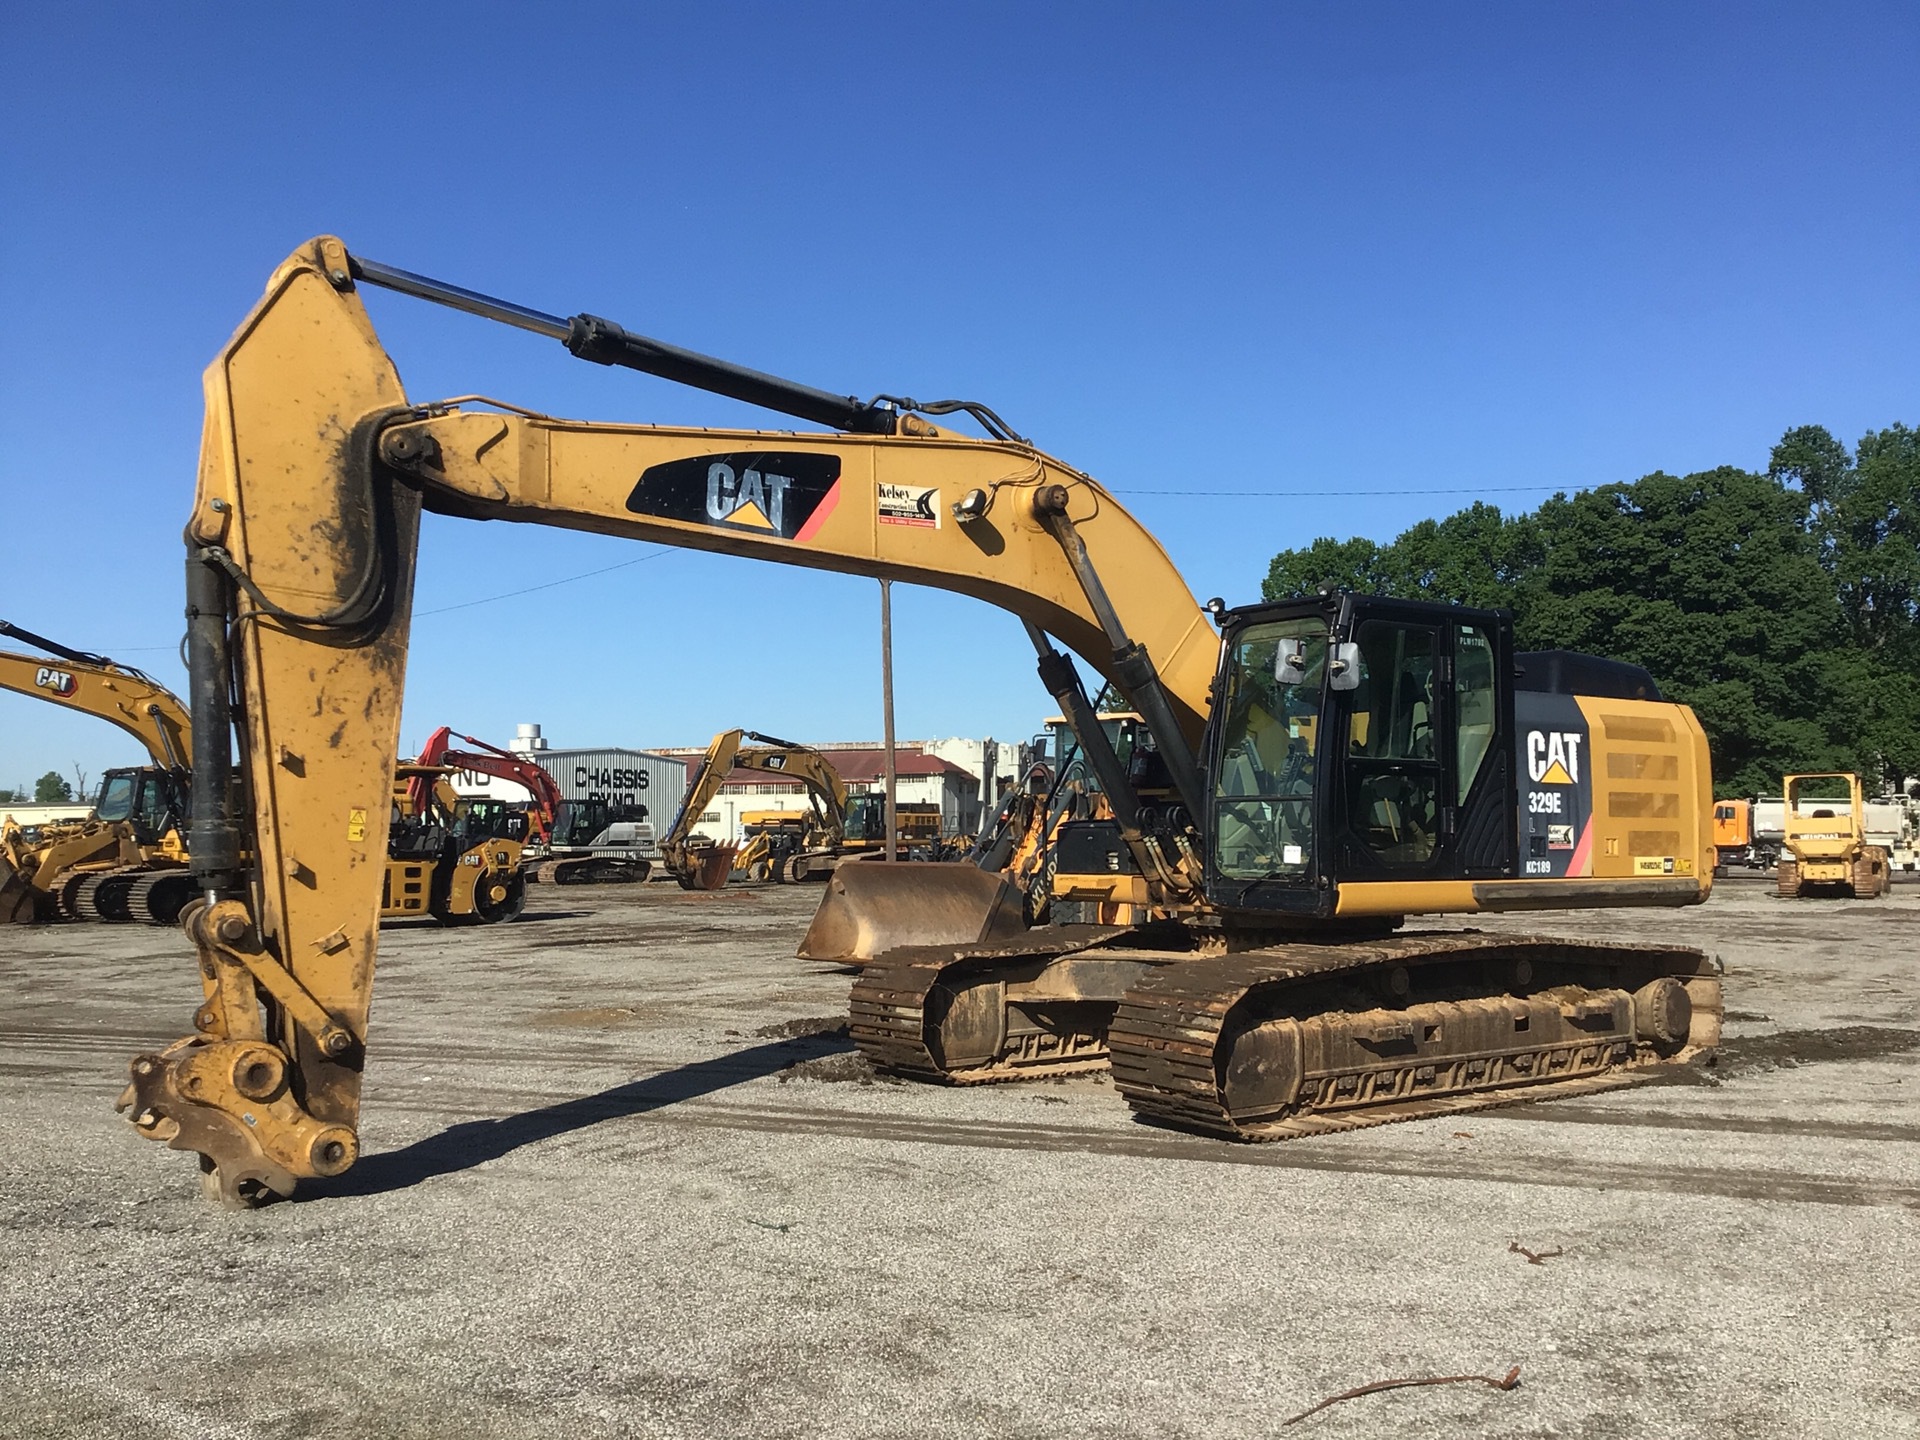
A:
(106, 689)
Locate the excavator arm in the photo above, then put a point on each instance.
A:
(487, 759)
(95, 685)
(715, 766)
(301, 554)
(804, 764)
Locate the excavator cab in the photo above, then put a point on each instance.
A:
(1360, 739)
(151, 799)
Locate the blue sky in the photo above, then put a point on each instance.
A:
(1307, 256)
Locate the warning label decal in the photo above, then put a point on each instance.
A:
(909, 505)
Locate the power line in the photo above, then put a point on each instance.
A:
(662, 552)
(566, 580)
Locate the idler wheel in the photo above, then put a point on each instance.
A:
(1663, 1013)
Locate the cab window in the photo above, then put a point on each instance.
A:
(1263, 787)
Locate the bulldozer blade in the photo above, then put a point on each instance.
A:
(872, 907)
(17, 903)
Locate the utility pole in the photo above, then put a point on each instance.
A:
(886, 712)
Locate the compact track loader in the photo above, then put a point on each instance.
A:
(1322, 769)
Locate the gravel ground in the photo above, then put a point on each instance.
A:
(623, 1178)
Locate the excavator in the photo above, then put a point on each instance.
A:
(1323, 768)
(127, 863)
(544, 805)
(700, 864)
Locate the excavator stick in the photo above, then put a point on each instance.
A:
(301, 550)
(872, 907)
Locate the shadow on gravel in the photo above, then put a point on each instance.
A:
(461, 1147)
(1785, 1049)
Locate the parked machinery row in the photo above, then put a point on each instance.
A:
(129, 860)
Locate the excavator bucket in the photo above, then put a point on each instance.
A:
(872, 907)
(711, 867)
(16, 896)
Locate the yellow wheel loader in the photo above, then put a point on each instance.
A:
(1826, 840)
(128, 862)
(1322, 770)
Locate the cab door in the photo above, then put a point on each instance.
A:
(1425, 784)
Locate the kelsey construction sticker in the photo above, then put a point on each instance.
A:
(910, 505)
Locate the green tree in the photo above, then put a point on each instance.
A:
(1784, 608)
(52, 789)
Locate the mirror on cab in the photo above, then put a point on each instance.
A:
(1343, 670)
(1290, 660)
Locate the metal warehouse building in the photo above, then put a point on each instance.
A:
(616, 774)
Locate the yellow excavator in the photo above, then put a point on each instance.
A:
(127, 862)
(1321, 770)
(699, 863)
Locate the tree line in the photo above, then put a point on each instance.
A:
(1784, 607)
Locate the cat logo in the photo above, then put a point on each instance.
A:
(1553, 756)
(746, 497)
(60, 682)
(774, 494)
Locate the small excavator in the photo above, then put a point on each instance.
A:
(809, 851)
(1321, 769)
(127, 862)
(542, 808)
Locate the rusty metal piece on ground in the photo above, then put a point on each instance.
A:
(1534, 1257)
(1508, 1381)
(873, 906)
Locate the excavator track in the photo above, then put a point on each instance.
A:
(156, 897)
(1296, 1039)
(589, 870)
(98, 896)
(931, 1013)
(1299, 1040)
